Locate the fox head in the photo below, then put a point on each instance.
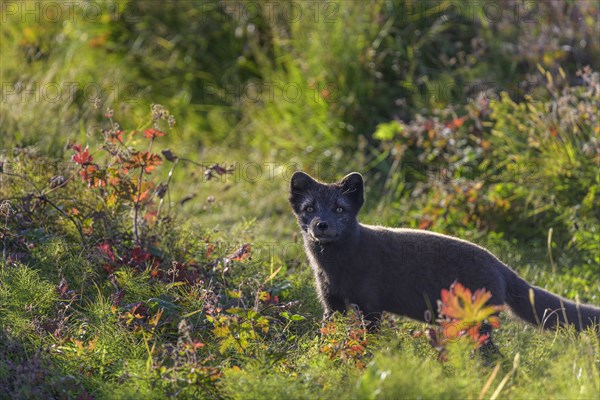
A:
(326, 212)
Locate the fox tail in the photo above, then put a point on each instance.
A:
(542, 308)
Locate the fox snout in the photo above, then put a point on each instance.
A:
(322, 231)
(322, 226)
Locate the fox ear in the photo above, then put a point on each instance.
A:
(299, 185)
(301, 182)
(353, 187)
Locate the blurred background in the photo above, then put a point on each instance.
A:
(473, 118)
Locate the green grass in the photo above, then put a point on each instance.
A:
(112, 360)
(518, 174)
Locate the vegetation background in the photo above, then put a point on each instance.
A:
(163, 261)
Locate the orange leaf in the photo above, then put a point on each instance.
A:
(153, 133)
(464, 312)
(145, 160)
(115, 137)
(456, 123)
(425, 223)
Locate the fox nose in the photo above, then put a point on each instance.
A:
(322, 226)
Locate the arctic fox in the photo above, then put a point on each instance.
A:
(404, 270)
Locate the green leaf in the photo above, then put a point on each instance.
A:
(388, 130)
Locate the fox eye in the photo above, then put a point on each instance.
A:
(309, 209)
(339, 210)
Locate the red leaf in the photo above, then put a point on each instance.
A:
(153, 133)
(114, 137)
(140, 255)
(108, 268)
(106, 251)
(81, 157)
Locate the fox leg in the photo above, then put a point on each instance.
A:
(331, 304)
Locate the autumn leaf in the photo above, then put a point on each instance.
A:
(93, 175)
(114, 177)
(153, 133)
(81, 157)
(465, 311)
(108, 268)
(425, 223)
(150, 217)
(143, 159)
(460, 303)
(87, 172)
(106, 250)
(144, 192)
(196, 344)
(328, 329)
(456, 123)
(114, 137)
(155, 272)
(139, 256)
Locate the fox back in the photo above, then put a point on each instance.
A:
(403, 270)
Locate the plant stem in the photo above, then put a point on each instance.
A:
(69, 217)
(168, 183)
(136, 206)
(42, 196)
(6, 208)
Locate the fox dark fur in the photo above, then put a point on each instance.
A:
(404, 270)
